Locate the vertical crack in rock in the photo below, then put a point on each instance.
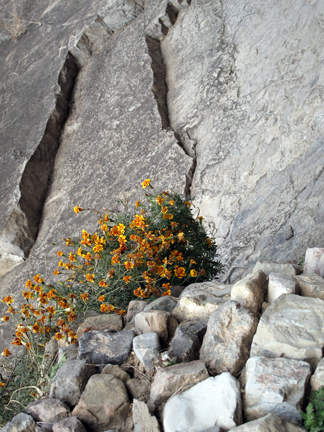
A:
(160, 89)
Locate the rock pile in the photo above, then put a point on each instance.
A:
(216, 358)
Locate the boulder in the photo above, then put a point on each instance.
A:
(147, 349)
(134, 307)
(48, 411)
(143, 421)
(184, 346)
(70, 381)
(103, 347)
(275, 267)
(292, 327)
(270, 423)
(69, 353)
(226, 345)
(156, 321)
(276, 385)
(314, 261)
(104, 403)
(117, 372)
(111, 322)
(166, 304)
(20, 423)
(250, 292)
(174, 379)
(216, 401)
(199, 300)
(69, 424)
(317, 379)
(139, 388)
(311, 285)
(280, 284)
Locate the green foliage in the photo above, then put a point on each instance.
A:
(314, 415)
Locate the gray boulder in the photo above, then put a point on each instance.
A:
(20, 423)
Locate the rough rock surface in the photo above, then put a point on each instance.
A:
(250, 292)
(101, 322)
(269, 423)
(70, 424)
(317, 379)
(143, 421)
(314, 261)
(226, 345)
(275, 385)
(20, 423)
(311, 285)
(147, 349)
(277, 267)
(104, 403)
(214, 401)
(161, 322)
(280, 284)
(291, 327)
(48, 411)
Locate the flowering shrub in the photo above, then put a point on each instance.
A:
(133, 254)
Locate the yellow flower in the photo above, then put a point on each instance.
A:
(77, 209)
(128, 265)
(127, 279)
(115, 259)
(5, 318)
(29, 284)
(180, 236)
(38, 279)
(193, 273)
(6, 352)
(90, 277)
(60, 253)
(192, 262)
(146, 183)
(104, 227)
(8, 300)
(180, 272)
(101, 298)
(2, 384)
(68, 242)
(56, 272)
(72, 257)
(36, 328)
(58, 336)
(84, 297)
(137, 204)
(172, 202)
(103, 284)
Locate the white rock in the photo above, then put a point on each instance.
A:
(269, 423)
(143, 421)
(314, 261)
(146, 347)
(275, 385)
(155, 321)
(317, 379)
(274, 267)
(293, 327)
(250, 292)
(311, 285)
(280, 284)
(215, 401)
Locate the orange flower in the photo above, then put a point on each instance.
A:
(115, 259)
(127, 279)
(193, 273)
(106, 308)
(172, 202)
(202, 272)
(146, 183)
(72, 257)
(56, 272)
(29, 284)
(87, 256)
(103, 284)
(192, 262)
(36, 328)
(51, 293)
(187, 203)
(180, 272)
(71, 316)
(77, 209)
(84, 296)
(159, 199)
(120, 312)
(68, 242)
(38, 279)
(60, 253)
(16, 342)
(5, 318)
(128, 265)
(180, 236)
(58, 336)
(51, 309)
(8, 300)
(200, 218)
(97, 248)
(104, 227)
(137, 204)
(73, 296)
(6, 352)
(2, 384)
(111, 273)
(60, 322)
(90, 277)
(101, 298)
(209, 242)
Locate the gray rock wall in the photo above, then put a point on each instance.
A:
(213, 98)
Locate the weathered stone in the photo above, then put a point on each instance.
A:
(250, 292)
(155, 321)
(291, 327)
(184, 346)
(173, 379)
(270, 423)
(276, 267)
(69, 353)
(214, 401)
(198, 301)
(166, 304)
(111, 322)
(48, 411)
(105, 347)
(276, 385)
(317, 379)
(280, 284)
(104, 403)
(143, 421)
(314, 261)
(226, 345)
(70, 424)
(20, 423)
(117, 372)
(134, 307)
(311, 285)
(147, 349)
(70, 381)
(139, 388)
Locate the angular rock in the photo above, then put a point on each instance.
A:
(139, 388)
(143, 421)
(311, 285)
(69, 353)
(104, 347)
(275, 267)
(112, 322)
(134, 307)
(20, 423)
(69, 424)
(280, 284)
(147, 349)
(117, 372)
(166, 304)
(317, 379)
(48, 411)
(292, 327)
(70, 381)
(215, 401)
(199, 300)
(184, 346)
(250, 292)
(226, 345)
(276, 385)
(172, 379)
(270, 423)
(104, 403)
(155, 321)
(314, 261)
